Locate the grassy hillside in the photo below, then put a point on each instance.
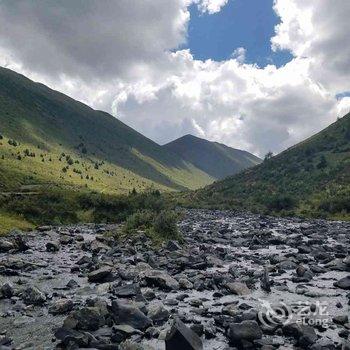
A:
(48, 137)
(213, 158)
(310, 179)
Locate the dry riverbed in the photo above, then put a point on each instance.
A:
(238, 281)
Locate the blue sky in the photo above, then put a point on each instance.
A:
(240, 23)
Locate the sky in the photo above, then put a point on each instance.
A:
(259, 75)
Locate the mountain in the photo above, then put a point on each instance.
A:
(213, 158)
(311, 178)
(47, 137)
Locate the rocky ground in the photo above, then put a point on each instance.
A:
(237, 281)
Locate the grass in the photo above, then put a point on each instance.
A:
(11, 221)
(311, 179)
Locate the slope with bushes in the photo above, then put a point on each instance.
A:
(311, 179)
(213, 158)
(49, 137)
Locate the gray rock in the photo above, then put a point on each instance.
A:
(182, 337)
(52, 246)
(100, 275)
(33, 296)
(6, 246)
(244, 331)
(129, 314)
(127, 291)
(160, 279)
(158, 313)
(173, 246)
(87, 319)
(238, 288)
(61, 306)
(6, 291)
(343, 283)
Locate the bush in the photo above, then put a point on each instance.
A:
(280, 202)
(164, 225)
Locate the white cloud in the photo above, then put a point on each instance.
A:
(116, 56)
(210, 6)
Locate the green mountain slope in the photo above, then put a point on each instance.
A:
(213, 158)
(58, 139)
(311, 178)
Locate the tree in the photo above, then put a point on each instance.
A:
(268, 155)
(322, 163)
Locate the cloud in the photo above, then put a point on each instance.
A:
(121, 56)
(91, 40)
(318, 30)
(210, 6)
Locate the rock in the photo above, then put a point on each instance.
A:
(342, 319)
(6, 246)
(238, 288)
(173, 246)
(182, 337)
(343, 283)
(86, 319)
(129, 314)
(127, 291)
(100, 275)
(72, 284)
(265, 281)
(52, 246)
(61, 306)
(69, 336)
(158, 313)
(184, 283)
(19, 241)
(33, 296)
(123, 331)
(244, 331)
(6, 291)
(346, 261)
(160, 279)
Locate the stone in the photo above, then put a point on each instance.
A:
(127, 291)
(100, 275)
(343, 283)
(238, 288)
(173, 246)
(33, 296)
(158, 313)
(86, 319)
(245, 331)
(61, 306)
(129, 314)
(6, 291)
(6, 246)
(52, 246)
(160, 279)
(182, 337)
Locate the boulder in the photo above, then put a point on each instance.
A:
(52, 246)
(160, 279)
(33, 296)
(61, 306)
(129, 314)
(182, 337)
(6, 291)
(100, 275)
(173, 246)
(238, 288)
(343, 283)
(86, 319)
(127, 291)
(244, 331)
(6, 246)
(158, 313)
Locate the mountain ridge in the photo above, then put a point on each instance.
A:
(207, 155)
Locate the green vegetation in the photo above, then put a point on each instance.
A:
(158, 225)
(47, 137)
(10, 221)
(148, 211)
(310, 179)
(213, 158)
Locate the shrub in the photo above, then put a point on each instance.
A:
(164, 225)
(280, 202)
